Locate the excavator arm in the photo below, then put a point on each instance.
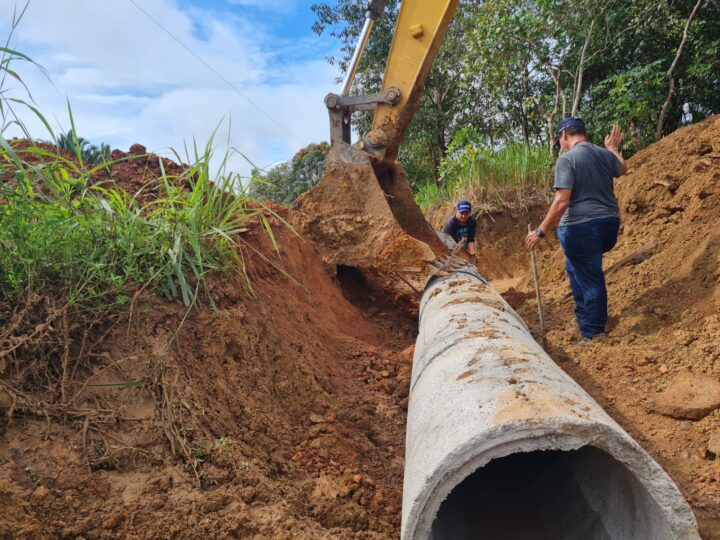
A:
(363, 212)
(421, 28)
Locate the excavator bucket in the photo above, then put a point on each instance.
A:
(363, 214)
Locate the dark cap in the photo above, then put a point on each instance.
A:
(572, 122)
(463, 206)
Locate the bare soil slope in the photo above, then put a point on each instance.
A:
(280, 416)
(664, 307)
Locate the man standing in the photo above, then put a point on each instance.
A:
(587, 211)
(461, 226)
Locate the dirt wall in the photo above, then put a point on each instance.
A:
(279, 416)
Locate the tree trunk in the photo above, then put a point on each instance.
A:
(434, 158)
(581, 70)
(442, 145)
(526, 94)
(671, 87)
(550, 118)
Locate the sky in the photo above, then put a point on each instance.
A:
(163, 73)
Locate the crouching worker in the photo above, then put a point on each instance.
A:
(461, 226)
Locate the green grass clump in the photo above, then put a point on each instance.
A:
(95, 244)
(99, 245)
(483, 171)
(430, 193)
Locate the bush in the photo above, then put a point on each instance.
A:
(286, 182)
(514, 164)
(490, 174)
(81, 148)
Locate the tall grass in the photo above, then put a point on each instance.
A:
(99, 244)
(482, 171)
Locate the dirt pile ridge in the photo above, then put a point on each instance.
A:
(280, 416)
(664, 307)
(135, 171)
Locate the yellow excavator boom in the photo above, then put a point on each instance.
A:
(420, 30)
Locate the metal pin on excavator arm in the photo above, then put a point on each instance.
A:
(363, 212)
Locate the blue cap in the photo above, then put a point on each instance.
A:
(463, 206)
(571, 122)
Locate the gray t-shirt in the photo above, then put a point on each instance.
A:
(588, 170)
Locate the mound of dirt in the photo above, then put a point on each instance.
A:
(135, 171)
(664, 306)
(498, 235)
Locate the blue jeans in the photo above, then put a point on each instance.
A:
(584, 245)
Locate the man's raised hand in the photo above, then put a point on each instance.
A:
(614, 139)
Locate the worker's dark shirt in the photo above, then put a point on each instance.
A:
(458, 231)
(588, 171)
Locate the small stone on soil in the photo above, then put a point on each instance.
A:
(114, 520)
(713, 445)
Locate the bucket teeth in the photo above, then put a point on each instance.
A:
(446, 265)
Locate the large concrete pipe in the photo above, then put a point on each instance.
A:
(502, 444)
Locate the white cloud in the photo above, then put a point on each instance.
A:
(128, 81)
(113, 43)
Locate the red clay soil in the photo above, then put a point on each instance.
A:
(291, 404)
(664, 308)
(135, 171)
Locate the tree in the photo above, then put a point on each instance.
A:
(670, 73)
(287, 181)
(511, 69)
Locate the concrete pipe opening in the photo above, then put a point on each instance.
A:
(550, 495)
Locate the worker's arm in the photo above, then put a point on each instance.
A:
(612, 143)
(560, 203)
(472, 227)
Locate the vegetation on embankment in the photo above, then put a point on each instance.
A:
(96, 244)
(69, 226)
(511, 176)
